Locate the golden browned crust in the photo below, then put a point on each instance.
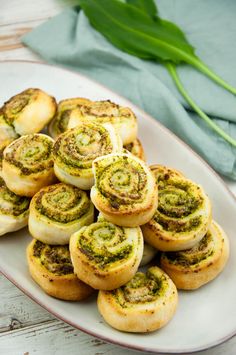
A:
(66, 287)
(144, 304)
(199, 265)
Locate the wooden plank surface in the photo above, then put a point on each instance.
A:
(25, 327)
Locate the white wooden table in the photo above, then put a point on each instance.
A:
(25, 327)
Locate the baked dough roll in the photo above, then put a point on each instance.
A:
(7, 132)
(14, 210)
(65, 110)
(136, 149)
(146, 303)
(148, 254)
(190, 269)
(125, 191)
(57, 211)
(122, 118)
(51, 268)
(3, 145)
(29, 111)
(183, 215)
(106, 256)
(75, 150)
(27, 164)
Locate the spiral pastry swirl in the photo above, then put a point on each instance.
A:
(29, 111)
(183, 215)
(65, 111)
(106, 256)
(7, 132)
(75, 150)
(27, 164)
(51, 268)
(192, 268)
(14, 210)
(146, 303)
(57, 211)
(122, 118)
(136, 149)
(125, 191)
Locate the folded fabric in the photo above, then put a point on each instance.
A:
(69, 40)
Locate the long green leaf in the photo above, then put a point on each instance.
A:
(133, 31)
(136, 33)
(147, 6)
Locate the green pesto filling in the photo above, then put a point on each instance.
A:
(69, 149)
(16, 104)
(62, 204)
(103, 257)
(140, 289)
(122, 183)
(178, 226)
(55, 258)
(25, 151)
(192, 257)
(12, 204)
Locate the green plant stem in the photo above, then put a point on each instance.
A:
(172, 70)
(198, 64)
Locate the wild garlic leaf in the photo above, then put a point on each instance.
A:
(136, 33)
(147, 6)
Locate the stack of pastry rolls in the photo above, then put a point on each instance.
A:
(91, 163)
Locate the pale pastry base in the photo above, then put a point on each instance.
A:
(141, 317)
(130, 218)
(12, 223)
(51, 232)
(103, 279)
(187, 278)
(84, 183)
(26, 185)
(36, 114)
(65, 287)
(164, 240)
(148, 254)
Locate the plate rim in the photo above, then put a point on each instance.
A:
(173, 136)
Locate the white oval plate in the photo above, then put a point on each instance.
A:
(205, 317)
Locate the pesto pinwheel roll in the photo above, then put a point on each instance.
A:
(148, 254)
(65, 111)
(29, 111)
(27, 164)
(106, 256)
(136, 149)
(57, 211)
(51, 268)
(7, 131)
(75, 150)
(125, 191)
(183, 215)
(14, 210)
(190, 269)
(3, 145)
(122, 118)
(146, 303)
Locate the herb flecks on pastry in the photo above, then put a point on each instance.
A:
(146, 303)
(51, 268)
(27, 164)
(106, 256)
(57, 211)
(29, 111)
(125, 191)
(76, 149)
(190, 269)
(183, 215)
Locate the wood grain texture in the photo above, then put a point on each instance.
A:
(25, 327)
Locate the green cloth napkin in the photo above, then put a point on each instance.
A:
(210, 25)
